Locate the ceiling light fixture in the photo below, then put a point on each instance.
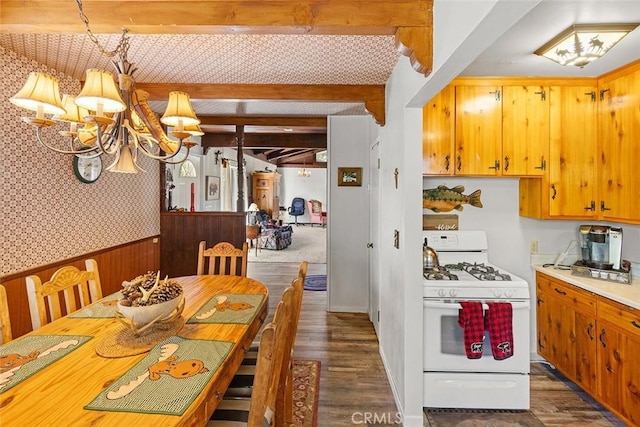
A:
(582, 43)
(304, 172)
(105, 119)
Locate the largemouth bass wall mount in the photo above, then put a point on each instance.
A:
(445, 199)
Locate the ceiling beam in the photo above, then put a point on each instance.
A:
(319, 122)
(371, 95)
(217, 17)
(262, 141)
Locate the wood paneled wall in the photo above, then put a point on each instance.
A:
(181, 233)
(115, 265)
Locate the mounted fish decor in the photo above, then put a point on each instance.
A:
(444, 199)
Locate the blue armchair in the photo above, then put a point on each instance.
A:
(297, 208)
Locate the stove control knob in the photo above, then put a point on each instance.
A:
(497, 293)
(441, 293)
(453, 292)
(508, 293)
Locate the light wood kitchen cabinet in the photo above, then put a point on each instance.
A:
(266, 192)
(568, 189)
(619, 151)
(487, 127)
(566, 329)
(525, 130)
(619, 359)
(438, 130)
(478, 130)
(593, 341)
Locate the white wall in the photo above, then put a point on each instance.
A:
(312, 187)
(348, 215)
(477, 25)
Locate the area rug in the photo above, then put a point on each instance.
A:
(315, 282)
(480, 418)
(306, 383)
(307, 244)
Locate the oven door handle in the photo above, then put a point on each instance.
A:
(515, 305)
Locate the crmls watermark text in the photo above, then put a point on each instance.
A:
(370, 418)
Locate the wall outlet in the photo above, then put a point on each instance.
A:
(533, 247)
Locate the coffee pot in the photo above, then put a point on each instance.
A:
(429, 257)
(601, 246)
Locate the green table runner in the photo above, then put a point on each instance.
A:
(167, 380)
(24, 357)
(104, 308)
(228, 308)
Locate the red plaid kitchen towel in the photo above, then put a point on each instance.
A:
(470, 319)
(499, 323)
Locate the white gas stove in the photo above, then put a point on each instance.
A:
(465, 271)
(450, 378)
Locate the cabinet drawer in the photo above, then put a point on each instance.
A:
(620, 315)
(565, 293)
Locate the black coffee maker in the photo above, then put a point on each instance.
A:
(601, 246)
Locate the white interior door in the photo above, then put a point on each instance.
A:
(374, 264)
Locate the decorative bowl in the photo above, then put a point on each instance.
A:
(148, 313)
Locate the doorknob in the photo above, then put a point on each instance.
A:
(369, 245)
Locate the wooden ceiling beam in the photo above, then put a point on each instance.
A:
(217, 16)
(373, 96)
(262, 141)
(319, 122)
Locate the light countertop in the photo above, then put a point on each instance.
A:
(624, 294)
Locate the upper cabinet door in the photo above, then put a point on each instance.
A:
(572, 169)
(525, 130)
(478, 130)
(438, 127)
(619, 150)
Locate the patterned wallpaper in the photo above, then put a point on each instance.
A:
(48, 215)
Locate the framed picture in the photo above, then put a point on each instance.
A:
(350, 177)
(212, 188)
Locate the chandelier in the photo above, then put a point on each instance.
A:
(108, 119)
(304, 173)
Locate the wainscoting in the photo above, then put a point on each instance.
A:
(115, 264)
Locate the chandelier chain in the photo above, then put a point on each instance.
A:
(123, 45)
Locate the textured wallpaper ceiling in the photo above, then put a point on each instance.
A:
(227, 59)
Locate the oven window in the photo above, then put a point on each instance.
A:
(452, 337)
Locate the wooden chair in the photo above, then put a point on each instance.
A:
(253, 236)
(5, 321)
(223, 258)
(64, 282)
(242, 384)
(262, 408)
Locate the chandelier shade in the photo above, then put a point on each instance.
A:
(179, 112)
(100, 93)
(72, 112)
(41, 94)
(124, 162)
(581, 44)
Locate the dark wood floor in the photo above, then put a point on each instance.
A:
(353, 380)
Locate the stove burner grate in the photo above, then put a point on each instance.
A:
(480, 271)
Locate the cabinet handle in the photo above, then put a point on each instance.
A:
(555, 192)
(636, 324)
(590, 331)
(447, 162)
(560, 292)
(591, 208)
(543, 165)
(602, 92)
(543, 95)
(496, 165)
(506, 163)
(592, 94)
(603, 207)
(496, 94)
(459, 163)
(602, 333)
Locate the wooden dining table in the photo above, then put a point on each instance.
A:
(57, 394)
